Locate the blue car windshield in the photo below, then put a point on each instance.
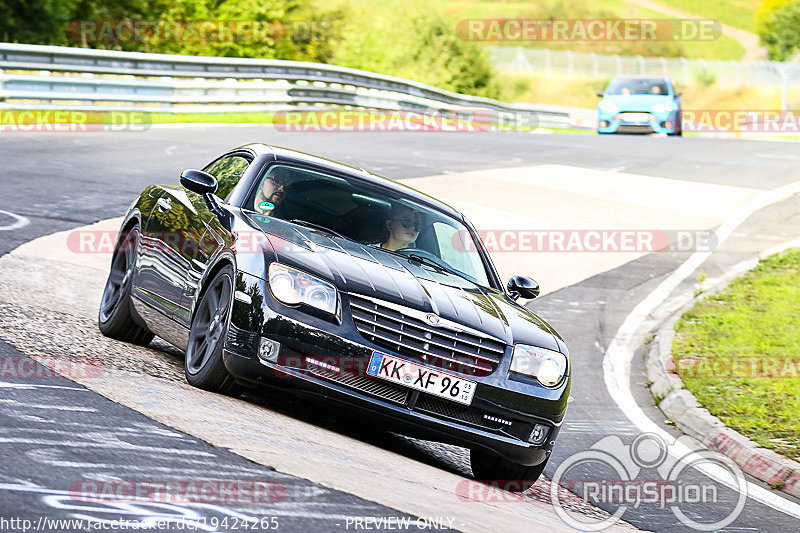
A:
(370, 215)
(654, 86)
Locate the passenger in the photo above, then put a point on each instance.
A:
(272, 191)
(656, 89)
(403, 227)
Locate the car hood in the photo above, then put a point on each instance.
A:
(637, 102)
(369, 271)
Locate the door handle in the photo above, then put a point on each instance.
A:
(164, 204)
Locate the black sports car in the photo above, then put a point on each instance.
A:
(319, 277)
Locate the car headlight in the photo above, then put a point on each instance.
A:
(663, 108)
(293, 287)
(608, 107)
(546, 366)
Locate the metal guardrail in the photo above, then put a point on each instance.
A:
(63, 77)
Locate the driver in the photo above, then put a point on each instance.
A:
(403, 226)
(272, 191)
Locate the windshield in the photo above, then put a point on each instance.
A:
(370, 215)
(655, 86)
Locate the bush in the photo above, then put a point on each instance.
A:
(421, 45)
(778, 26)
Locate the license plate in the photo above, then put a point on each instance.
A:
(641, 118)
(421, 378)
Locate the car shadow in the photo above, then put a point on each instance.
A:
(331, 417)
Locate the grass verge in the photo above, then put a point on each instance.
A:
(738, 352)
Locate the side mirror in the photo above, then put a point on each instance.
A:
(205, 185)
(678, 94)
(523, 287)
(199, 181)
(600, 94)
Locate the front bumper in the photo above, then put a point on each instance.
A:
(500, 419)
(621, 123)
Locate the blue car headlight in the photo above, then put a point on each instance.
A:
(293, 287)
(608, 107)
(547, 366)
(663, 108)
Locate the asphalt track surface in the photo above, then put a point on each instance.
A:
(62, 181)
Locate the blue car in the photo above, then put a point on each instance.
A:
(639, 104)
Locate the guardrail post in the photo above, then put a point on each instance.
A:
(548, 60)
(522, 62)
(570, 62)
(618, 61)
(642, 68)
(595, 64)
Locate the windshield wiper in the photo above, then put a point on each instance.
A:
(320, 227)
(437, 266)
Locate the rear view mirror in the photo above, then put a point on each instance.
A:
(600, 94)
(523, 287)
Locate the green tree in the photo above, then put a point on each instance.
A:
(34, 21)
(778, 26)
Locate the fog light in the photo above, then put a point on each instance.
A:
(269, 349)
(604, 123)
(539, 434)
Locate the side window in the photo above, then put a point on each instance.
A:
(228, 171)
(451, 246)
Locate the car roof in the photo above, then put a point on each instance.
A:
(287, 155)
(640, 77)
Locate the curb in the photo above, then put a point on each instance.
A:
(681, 406)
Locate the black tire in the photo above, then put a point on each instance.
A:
(510, 476)
(204, 367)
(114, 317)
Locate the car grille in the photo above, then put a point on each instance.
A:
(463, 413)
(457, 351)
(634, 128)
(374, 387)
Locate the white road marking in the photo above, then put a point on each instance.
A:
(617, 360)
(49, 407)
(21, 221)
(30, 386)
